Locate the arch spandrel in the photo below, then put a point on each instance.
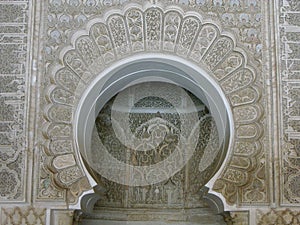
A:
(141, 30)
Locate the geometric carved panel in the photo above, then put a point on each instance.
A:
(289, 58)
(280, 216)
(23, 215)
(14, 74)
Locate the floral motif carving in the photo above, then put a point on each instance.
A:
(248, 131)
(238, 80)
(134, 19)
(88, 51)
(222, 47)
(9, 183)
(119, 36)
(60, 113)
(246, 114)
(137, 30)
(177, 189)
(58, 130)
(243, 17)
(76, 64)
(101, 36)
(244, 96)
(255, 192)
(188, 33)
(67, 79)
(230, 64)
(70, 175)
(153, 24)
(171, 24)
(58, 147)
(62, 96)
(207, 35)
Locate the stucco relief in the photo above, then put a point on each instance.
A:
(243, 17)
(239, 218)
(13, 99)
(23, 215)
(58, 169)
(142, 29)
(289, 57)
(280, 216)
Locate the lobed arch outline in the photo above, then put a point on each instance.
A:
(218, 55)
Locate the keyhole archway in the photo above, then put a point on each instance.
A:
(143, 34)
(191, 148)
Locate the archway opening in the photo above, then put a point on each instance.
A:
(152, 132)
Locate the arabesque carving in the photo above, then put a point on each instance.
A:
(135, 30)
(244, 17)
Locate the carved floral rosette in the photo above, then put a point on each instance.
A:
(152, 29)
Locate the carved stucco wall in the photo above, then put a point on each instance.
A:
(36, 43)
(14, 74)
(289, 70)
(106, 40)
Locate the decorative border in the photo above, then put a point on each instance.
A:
(14, 102)
(289, 83)
(23, 215)
(279, 216)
